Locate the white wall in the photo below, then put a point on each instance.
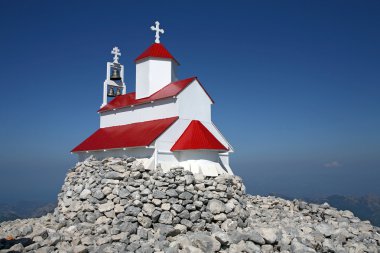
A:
(194, 103)
(160, 109)
(198, 154)
(206, 162)
(165, 142)
(225, 161)
(130, 152)
(142, 79)
(152, 74)
(174, 72)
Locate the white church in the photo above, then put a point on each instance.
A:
(166, 122)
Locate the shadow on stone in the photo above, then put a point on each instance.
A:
(6, 244)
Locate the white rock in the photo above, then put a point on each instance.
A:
(325, 229)
(220, 217)
(106, 207)
(119, 208)
(102, 220)
(215, 206)
(269, 234)
(118, 168)
(106, 190)
(165, 206)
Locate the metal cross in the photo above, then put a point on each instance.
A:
(116, 52)
(158, 31)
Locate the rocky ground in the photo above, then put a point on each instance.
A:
(116, 205)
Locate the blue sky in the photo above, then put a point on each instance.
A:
(296, 85)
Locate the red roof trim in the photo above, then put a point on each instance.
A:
(197, 136)
(156, 50)
(170, 90)
(140, 134)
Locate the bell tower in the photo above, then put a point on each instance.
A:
(155, 67)
(114, 84)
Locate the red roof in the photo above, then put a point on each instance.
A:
(139, 134)
(156, 50)
(129, 99)
(197, 136)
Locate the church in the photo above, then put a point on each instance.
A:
(166, 122)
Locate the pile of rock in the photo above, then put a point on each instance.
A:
(117, 205)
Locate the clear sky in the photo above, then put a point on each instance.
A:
(296, 85)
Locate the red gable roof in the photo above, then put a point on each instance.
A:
(129, 99)
(197, 136)
(156, 50)
(139, 134)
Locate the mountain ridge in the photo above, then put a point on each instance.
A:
(366, 207)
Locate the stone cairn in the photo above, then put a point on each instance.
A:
(117, 205)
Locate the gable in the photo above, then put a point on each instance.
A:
(195, 90)
(197, 136)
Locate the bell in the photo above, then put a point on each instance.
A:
(115, 75)
(111, 92)
(118, 92)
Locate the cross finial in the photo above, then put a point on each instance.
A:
(116, 52)
(158, 31)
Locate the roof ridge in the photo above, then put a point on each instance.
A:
(182, 84)
(137, 134)
(157, 50)
(194, 77)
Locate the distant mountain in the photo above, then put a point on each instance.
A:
(365, 207)
(24, 209)
(8, 215)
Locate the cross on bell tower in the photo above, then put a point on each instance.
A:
(158, 31)
(116, 52)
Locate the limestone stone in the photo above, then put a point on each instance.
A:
(144, 221)
(215, 206)
(186, 195)
(172, 193)
(98, 194)
(118, 168)
(119, 208)
(166, 217)
(269, 234)
(132, 210)
(325, 229)
(165, 206)
(195, 215)
(106, 190)
(113, 175)
(106, 207)
(159, 194)
(220, 217)
(205, 242)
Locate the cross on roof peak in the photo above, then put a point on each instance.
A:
(158, 31)
(116, 52)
